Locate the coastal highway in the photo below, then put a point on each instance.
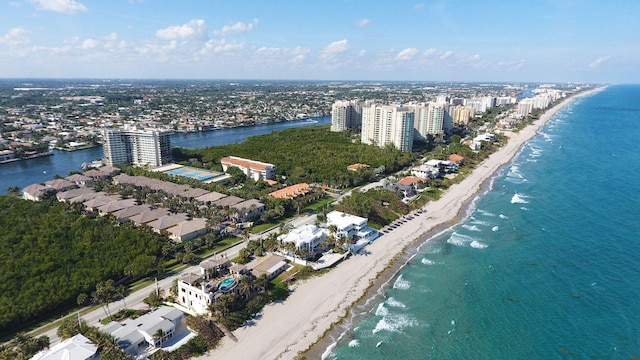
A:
(135, 299)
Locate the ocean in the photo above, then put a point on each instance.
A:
(546, 264)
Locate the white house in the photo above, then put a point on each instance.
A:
(348, 225)
(134, 335)
(74, 348)
(306, 237)
(255, 170)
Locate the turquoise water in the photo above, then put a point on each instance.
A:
(546, 266)
(226, 283)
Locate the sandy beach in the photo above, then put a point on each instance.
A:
(288, 328)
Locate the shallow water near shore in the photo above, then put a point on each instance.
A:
(545, 265)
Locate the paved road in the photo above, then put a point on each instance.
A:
(135, 299)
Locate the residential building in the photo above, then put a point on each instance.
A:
(135, 145)
(429, 119)
(306, 237)
(462, 115)
(255, 170)
(384, 125)
(77, 347)
(291, 192)
(348, 225)
(136, 335)
(346, 115)
(188, 230)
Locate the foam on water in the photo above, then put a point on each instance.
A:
(401, 284)
(471, 227)
(478, 222)
(395, 303)
(395, 323)
(519, 199)
(459, 239)
(485, 213)
(503, 216)
(495, 228)
(381, 310)
(427, 261)
(478, 245)
(354, 343)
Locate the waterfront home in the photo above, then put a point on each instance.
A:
(60, 184)
(35, 192)
(135, 336)
(306, 237)
(270, 265)
(66, 196)
(79, 179)
(351, 226)
(77, 347)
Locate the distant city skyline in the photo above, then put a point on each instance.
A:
(528, 41)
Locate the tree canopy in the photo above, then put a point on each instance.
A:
(312, 155)
(49, 256)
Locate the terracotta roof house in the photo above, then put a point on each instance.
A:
(291, 192)
(188, 230)
(458, 159)
(356, 167)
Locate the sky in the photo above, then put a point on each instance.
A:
(593, 41)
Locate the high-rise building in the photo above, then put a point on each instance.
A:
(462, 115)
(388, 124)
(135, 145)
(429, 119)
(346, 115)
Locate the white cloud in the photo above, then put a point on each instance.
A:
(89, 44)
(238, 27)
(418, 6)
(407, 54)
(274, 55)
(429, 52)
(15, 36)
(362, 22)
(362, 52)
(194, 29)
(60, 6)
(509, 66)
(599, 61)
(334, 49)
(221, 46)
(446, 55)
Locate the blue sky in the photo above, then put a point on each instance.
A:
(439, 40)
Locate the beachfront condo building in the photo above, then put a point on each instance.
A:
(429, 119)
(346, 115)
(462, 115)
(255, 170)
(135, 145)
(388, 124)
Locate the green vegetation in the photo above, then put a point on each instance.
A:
(50, 256)
(323, 160)
(381, 207)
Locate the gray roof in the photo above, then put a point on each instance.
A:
(148, 216)
(228, 201)
(212, 196)
(167, 221)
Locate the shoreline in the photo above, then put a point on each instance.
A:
(311, 319)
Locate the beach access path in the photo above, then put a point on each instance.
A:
(284, 329)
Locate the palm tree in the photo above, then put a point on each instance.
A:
(121, 291)
(246, 284)
(158, 335)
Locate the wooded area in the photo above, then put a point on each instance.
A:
(312, 155)
(49, 256)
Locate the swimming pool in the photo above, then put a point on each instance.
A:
(227, 284)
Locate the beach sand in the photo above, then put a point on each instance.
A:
(288, 328)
